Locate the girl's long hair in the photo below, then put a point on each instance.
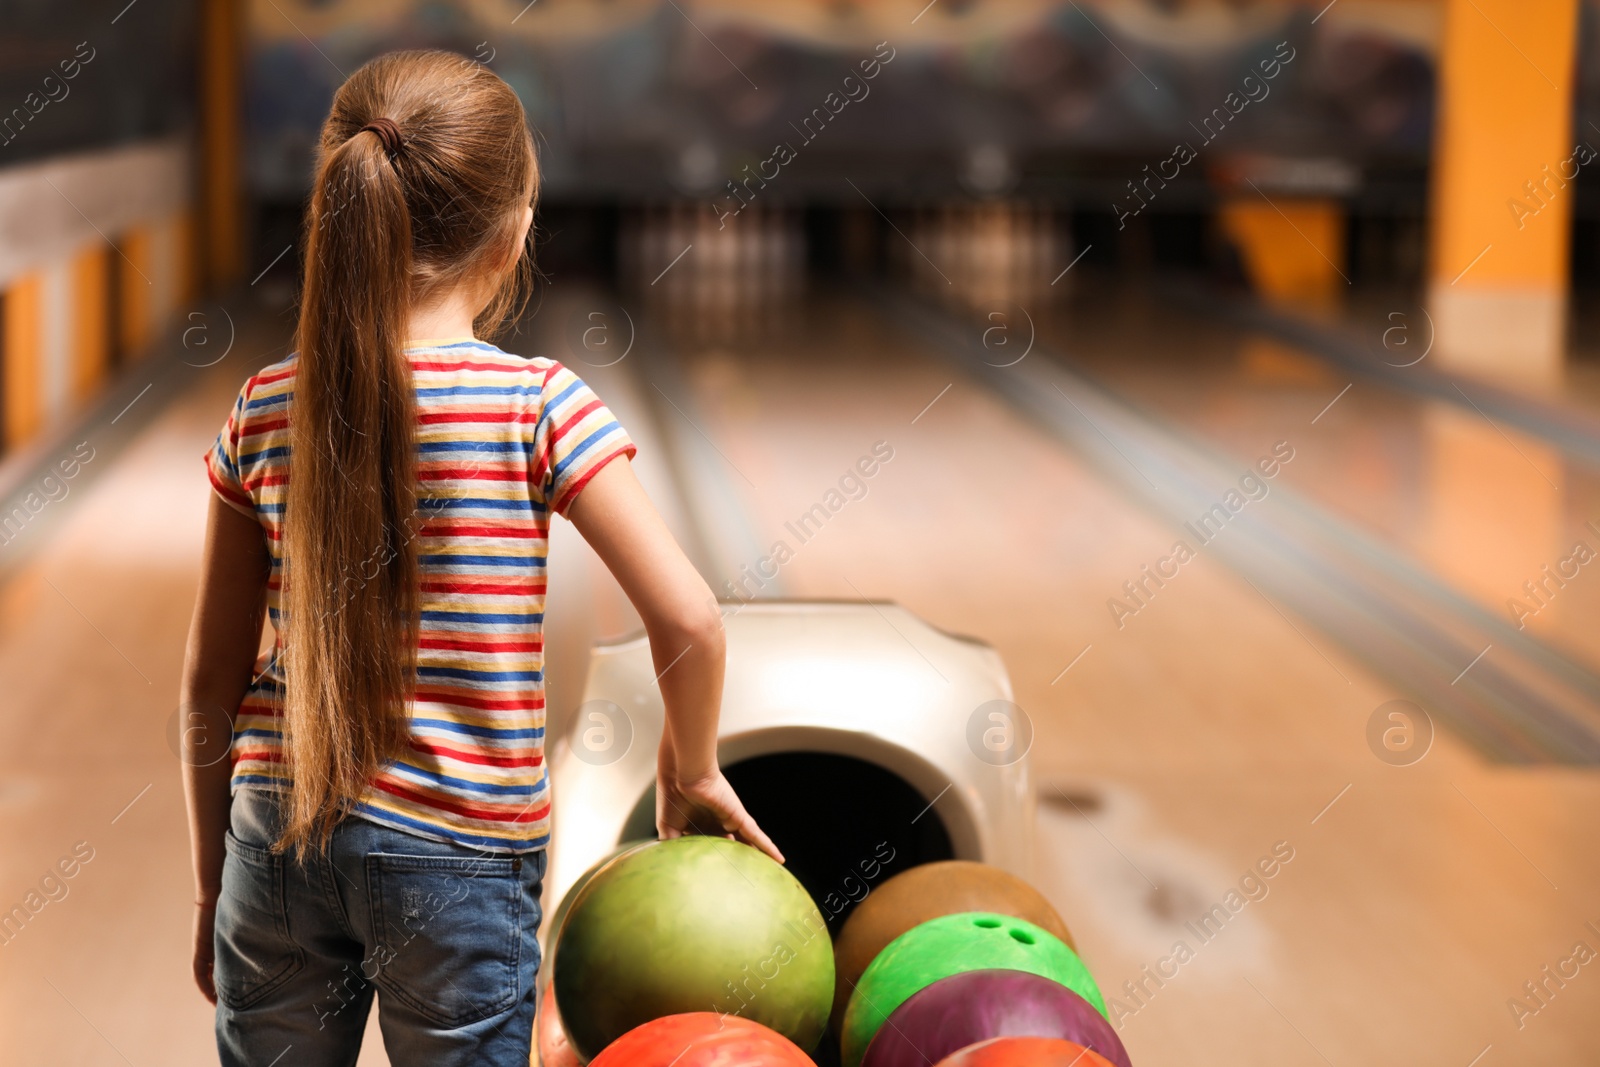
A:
(431, 198)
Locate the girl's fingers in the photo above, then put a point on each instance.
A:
(202, 978)
(751, 834)
(725, 809)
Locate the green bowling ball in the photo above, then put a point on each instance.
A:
(559, 919)
(954, 944)
(692, 924)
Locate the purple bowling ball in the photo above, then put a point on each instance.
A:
(974, 1006)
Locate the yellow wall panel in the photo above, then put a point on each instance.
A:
(23, 328)
(135, 288)
(1293, 249)
(186, 249)
(90, 342)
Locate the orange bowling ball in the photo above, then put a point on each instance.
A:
(924, 892)
(1024, 1052)
(554, 1048)
(701, 1039)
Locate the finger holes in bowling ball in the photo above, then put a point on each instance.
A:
(987, 924)
(1022, 936)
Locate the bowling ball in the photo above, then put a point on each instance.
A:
(1024, 1052)
(691, 925)
(974, 1006)
(554, 1048)
(550, 1035)
(952, 944)
(926, 892)
(559, 919)
(702, 1039)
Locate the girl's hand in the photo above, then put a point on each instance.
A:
(205, 928)
(706, 806)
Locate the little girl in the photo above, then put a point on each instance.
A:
(383, 496)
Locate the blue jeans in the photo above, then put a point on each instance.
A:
(444, 931)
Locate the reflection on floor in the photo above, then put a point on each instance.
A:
(1484, 507)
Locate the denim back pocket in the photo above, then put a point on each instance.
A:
(255, 954)
(449, 933)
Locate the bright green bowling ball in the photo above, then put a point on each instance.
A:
(954, 944)
(692, 924)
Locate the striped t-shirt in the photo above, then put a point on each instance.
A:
(502, 442)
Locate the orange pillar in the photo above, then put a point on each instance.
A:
(1504, 156)
(221, 60)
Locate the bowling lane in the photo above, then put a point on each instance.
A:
(1172, 755)
(1175, 753)
(1494, 512)
(92, 630)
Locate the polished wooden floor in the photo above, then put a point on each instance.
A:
(1173, 755)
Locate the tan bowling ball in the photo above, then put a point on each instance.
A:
(926, 892)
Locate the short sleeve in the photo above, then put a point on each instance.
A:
(576, 436)
(222, 460)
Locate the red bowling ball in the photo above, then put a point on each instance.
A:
(702, 1039)
(1025, 1052)
(554, 1048)
(963, 1009)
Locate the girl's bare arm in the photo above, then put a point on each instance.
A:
(223, 639)
(684, 624)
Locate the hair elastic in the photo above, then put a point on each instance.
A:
(388, 132)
